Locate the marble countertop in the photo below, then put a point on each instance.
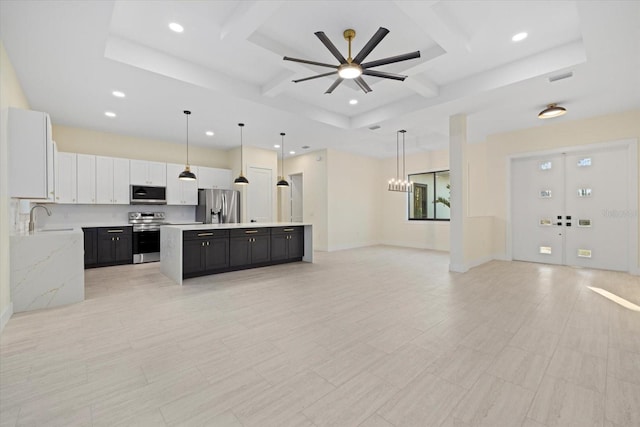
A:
(236, 225)
(52, 231)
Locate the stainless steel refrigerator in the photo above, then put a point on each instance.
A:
(218, 206)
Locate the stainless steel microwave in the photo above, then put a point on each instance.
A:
(146, 195)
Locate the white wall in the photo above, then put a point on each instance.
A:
(11, 95)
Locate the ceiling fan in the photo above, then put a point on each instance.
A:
(354, 68)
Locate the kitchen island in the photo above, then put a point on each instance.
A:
(197, 250)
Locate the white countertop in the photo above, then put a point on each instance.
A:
(236, 225)
(53, 231)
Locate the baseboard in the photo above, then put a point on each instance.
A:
(458, 268)
(6, 315)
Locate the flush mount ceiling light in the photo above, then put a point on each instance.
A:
(241, 180)
(519, 37)
(118, 94)
(552, 111)
(397, 184)
(110, 114)
(281, 181)
(186, 174)
(174, 26)
(354, 68)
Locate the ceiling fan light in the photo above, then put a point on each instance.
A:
(552, 111)
(350, 71)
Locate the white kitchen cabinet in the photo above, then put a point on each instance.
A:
(86, 174)
(148, 173)
(66, 177)
(112, 180)
(30, 155)
(181, 192)
(214, 178)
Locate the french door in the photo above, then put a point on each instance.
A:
(572, 208)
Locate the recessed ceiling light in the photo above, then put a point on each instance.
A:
(305, 147)
(118, 94)
(276, 145)
(353, 101)
(209, 133)
(519, 37)
(109, 114)
(292, 152)
(174, 26)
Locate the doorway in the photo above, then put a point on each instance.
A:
(575, 207)
(296, 198)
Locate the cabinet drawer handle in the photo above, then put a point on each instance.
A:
(115, 231)
(251, 231)
(288, 229)
(205, 234)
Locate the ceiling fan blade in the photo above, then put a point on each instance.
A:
(371, 44)
(334, 85)
(334, 50)
(391, 59)
(363, 85)
(384, 75)
(304, 61)
(314, 77)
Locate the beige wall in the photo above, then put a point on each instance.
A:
(11, 95)
(394, 226)
(313, 167)
(86, 141)
(353, 200)
(489, 204)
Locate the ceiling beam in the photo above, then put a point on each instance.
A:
(247, 17)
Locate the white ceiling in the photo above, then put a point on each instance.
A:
(227, 67)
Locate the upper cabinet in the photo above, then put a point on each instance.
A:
(112, 180)
(30, 155)
(148, 173)
(214, 178)
(66, 178)
(86, 169)
(180, 192)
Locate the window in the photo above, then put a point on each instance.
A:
(430, 197)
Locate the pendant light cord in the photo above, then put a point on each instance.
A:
(404, 174)
(397, 156)
(241, 149)
(282, 154)
(187, 139)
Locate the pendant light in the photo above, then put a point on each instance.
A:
(397, 184)
(186, 174)
(552, 111)
(241, 180)
(281, 181)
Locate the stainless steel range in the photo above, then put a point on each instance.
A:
(146, 235)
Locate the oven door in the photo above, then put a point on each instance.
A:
(146, 246)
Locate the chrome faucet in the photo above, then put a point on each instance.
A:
(32, 222)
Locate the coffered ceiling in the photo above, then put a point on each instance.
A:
(227, 67)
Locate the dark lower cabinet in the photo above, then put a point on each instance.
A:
(205, 252)
(287, 244)
(90, 247)
(105, 246)
(115, 245)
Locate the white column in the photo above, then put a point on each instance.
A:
(457, 154)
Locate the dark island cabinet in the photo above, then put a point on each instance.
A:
(287, 244)
(215, 251)
(115, 245)
(250, 247)
(205, 252)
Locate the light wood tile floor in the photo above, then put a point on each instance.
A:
(377, 336)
